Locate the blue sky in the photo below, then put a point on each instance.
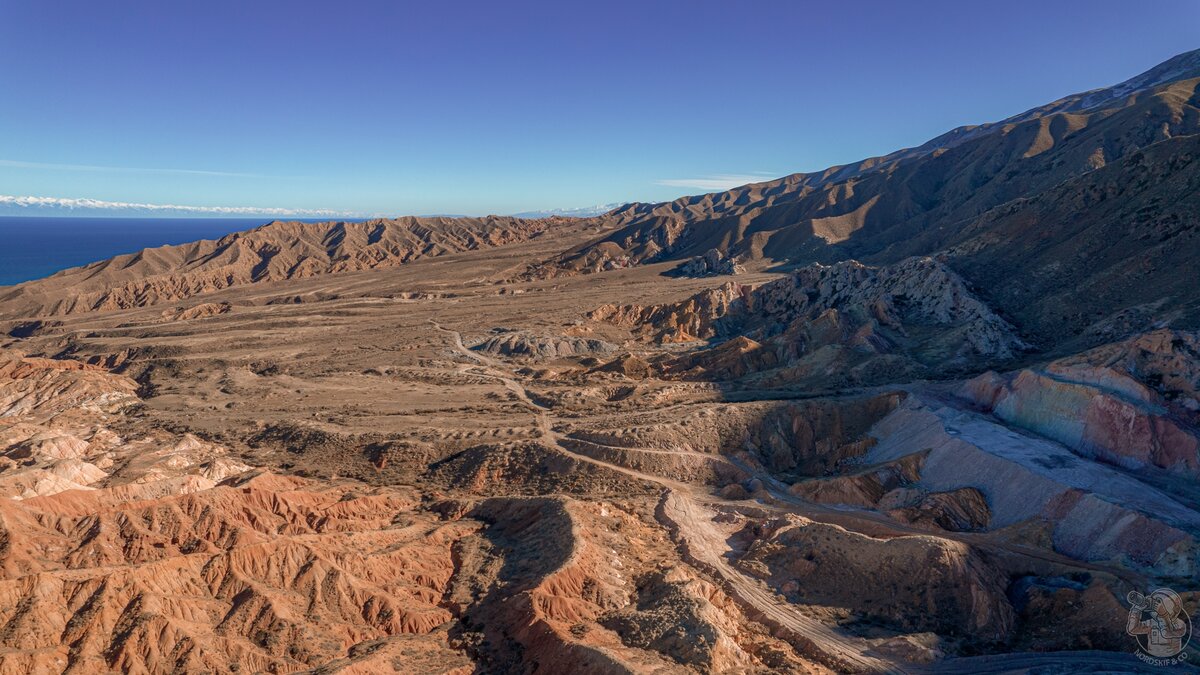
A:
(500, 107)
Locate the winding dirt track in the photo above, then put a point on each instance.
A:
(702, 542)
(684, 512)
(704, 546)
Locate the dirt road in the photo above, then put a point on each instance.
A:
(684, 510)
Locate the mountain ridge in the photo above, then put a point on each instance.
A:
(872, 210)
(275, 251)
(939, 199)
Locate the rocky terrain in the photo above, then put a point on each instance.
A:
(867, 324)
(934, 412)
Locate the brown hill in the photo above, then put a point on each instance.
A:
(273, 252)
(1094, 258)
(1072, 196)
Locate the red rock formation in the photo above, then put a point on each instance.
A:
(43, 387)
(274, 575)
(1107, 411)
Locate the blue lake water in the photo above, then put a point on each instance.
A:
(31, 248)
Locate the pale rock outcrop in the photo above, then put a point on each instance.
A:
(54, 438)
(917, 314)
(712, 263)
(50, 444)
(529, 345)
(697, 317)
(48, 479)
(913, 292)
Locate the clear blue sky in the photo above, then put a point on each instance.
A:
(496, 107)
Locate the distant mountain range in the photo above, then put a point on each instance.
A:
(578, 212)
(28, 205)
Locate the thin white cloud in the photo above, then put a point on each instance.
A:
(60, 203)
(722, 181)
(17, 164)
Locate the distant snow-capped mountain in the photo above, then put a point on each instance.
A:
(577, 212)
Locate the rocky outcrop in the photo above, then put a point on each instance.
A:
(851, 319)
(892, 489)
(730, 359)
(819, 564)
(54, 437)
(698, 317)
(625, 366)
(712, 263)
(915, 292)
(681, 616)
(961, 510)
(867, 307)
(523, 344)
(204, 309)
(1165, 361)
(44, 387)
(868, 488)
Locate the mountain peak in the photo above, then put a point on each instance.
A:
(1180, 67)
